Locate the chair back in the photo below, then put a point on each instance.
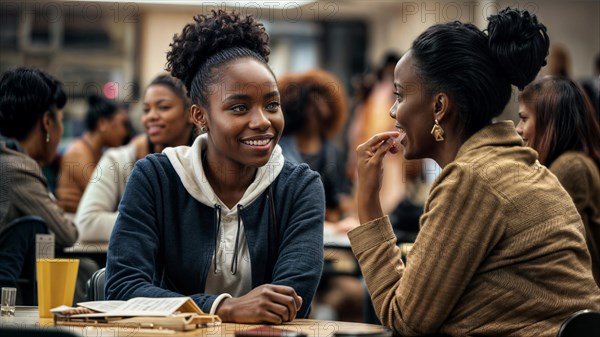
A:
(584, 323)
(17, 256)
(95, 286)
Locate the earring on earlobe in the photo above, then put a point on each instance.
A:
(204, 129)
(47, 137)
(437, 132)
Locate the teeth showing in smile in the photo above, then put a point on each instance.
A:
(261, 142)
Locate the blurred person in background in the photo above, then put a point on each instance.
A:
(557, 120)
(370, 119)
(314, 104)
(559, 62)
(107, 126)
(31, 112)
(591, 86)
(167, 123)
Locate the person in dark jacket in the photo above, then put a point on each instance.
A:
(227, 221)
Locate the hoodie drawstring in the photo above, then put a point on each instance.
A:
(234, 260)
(236, 251)
(217, 221)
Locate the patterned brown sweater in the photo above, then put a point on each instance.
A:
(24, 191)
(501, 250)
(580, 176)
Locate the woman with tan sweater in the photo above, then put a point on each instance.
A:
(107, 126)
(557, 120)
(501, 250)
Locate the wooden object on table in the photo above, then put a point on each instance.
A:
(28, 317)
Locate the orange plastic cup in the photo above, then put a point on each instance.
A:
(56, 280)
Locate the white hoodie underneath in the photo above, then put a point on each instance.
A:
(187, 162)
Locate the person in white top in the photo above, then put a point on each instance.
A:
(167, 123)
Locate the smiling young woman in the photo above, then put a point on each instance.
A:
(167, 123)
(244, 225)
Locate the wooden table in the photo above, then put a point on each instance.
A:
(93, 250)
(27, 317)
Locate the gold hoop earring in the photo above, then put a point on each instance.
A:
(437, 132)
(47, 137)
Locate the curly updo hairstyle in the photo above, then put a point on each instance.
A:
(477, 69)
(209, 43)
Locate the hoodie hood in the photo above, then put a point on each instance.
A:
(187, 162)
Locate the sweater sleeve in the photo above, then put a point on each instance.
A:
(460, 226)
(97, 211)
(574, 176)
(32, 197)
(300, 261)
(134, 246)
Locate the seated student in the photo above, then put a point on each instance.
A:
(167, 122)
(107, 126)
(226, 221)
(497, 253)
(31, 103)
(314, 107)
(557, 120)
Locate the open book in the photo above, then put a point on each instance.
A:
(172, 313)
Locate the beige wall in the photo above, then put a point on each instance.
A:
(156, 32)
(573, 24)
(398, 26)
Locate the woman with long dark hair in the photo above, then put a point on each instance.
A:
(557, 120)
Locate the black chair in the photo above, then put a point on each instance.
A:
(584, 323)
(17, 256)
(95, 286)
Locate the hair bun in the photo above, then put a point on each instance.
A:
(209, 34)
(94, 99)
(519, 44)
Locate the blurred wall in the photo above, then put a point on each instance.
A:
(158, 25)
(572, 24)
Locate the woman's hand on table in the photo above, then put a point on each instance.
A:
(267, 303)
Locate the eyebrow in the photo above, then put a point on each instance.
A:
(161, 100)
(236, 97)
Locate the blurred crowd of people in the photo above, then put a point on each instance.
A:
(324, 125)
